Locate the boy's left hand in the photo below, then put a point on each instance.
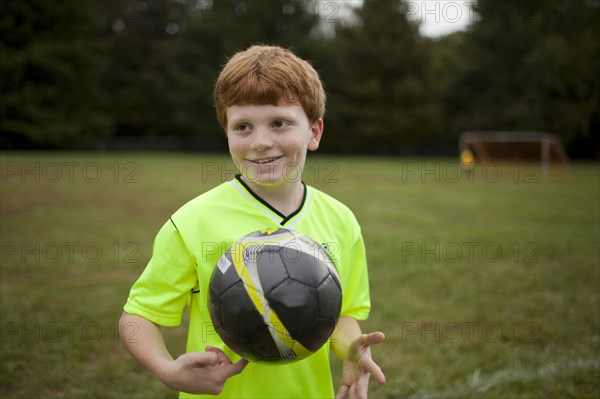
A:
(359, 367)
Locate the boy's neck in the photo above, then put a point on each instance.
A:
(286, 197)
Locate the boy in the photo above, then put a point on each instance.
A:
(271, 105)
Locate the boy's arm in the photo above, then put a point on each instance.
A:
(195, 372)
(354, 348)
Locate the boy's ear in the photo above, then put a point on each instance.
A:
(316, 131)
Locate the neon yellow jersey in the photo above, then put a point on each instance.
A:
(187, 249)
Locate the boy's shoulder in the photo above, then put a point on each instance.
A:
(329, 199)
(330, 204)
(209, 201)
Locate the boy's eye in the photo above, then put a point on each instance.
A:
(280, 123)
(243, 127)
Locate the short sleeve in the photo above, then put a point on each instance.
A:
(356, 300)
(163, 289)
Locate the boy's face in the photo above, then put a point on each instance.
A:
(268, 143)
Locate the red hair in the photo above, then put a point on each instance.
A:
(269, 75)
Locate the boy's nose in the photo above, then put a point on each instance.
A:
(261, 140)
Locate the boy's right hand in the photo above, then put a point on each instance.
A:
(202, 372)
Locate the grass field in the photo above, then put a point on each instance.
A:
(486, 284)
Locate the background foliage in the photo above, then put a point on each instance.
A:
(74, 72)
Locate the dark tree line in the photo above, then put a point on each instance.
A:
(76, 71)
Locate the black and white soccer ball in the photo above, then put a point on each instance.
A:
(275, 296)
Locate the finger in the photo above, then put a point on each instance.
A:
(361, 388)
(366, 340)
(236, 368)
(374, 338)
(352, 391)
(342, 392)
(222, 358)
(200, 359)
(373, 369)
(216, 350)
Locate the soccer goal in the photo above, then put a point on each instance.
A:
(511, 146)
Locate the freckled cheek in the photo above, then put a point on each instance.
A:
(236, 148)
(294, 147)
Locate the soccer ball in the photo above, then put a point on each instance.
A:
(275, 296)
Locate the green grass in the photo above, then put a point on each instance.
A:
(486, 285)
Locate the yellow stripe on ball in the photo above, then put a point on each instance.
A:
(244, 261)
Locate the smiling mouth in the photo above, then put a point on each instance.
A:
(266, 160)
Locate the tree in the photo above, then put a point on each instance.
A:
(531, 66)
(80, 69)
(144, 40)
(447, 61)
(51, 71)
(381, 93)
(216, 31)
(563, 67)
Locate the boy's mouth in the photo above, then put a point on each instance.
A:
(266, 160)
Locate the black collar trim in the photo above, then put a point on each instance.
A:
(284, 219)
